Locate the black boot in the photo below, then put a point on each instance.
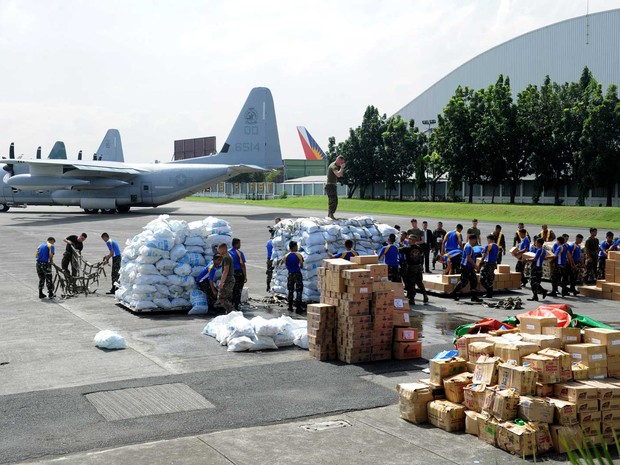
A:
(544, 293)
(534, 298)
(41, 295)
(474, 298)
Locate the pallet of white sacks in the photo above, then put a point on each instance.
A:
(131, 309)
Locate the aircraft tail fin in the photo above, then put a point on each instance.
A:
(58, 151)
(253, 139)
(312, 151)
(111, 148)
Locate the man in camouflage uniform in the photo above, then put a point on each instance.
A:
(488, 264)
(227, 282)
(45, 259)
(334, 171)
(414, 256)
(592, 249)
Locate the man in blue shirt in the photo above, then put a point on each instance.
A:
(536, 272)
(452, 240)
(524, 246)
(294, 262)
(603, 254)
(574, 272)
(45, 258)
(115, 255)
(239, 271)
(451, 261)
(389, 255)
(207, 280)
(269, 261)
(488, 264)
(468, 271)
(347, 253)
(559, 276)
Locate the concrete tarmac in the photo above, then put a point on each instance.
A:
(48, 364)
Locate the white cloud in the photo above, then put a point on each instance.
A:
(160, 71)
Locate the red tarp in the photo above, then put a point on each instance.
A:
(560, 311)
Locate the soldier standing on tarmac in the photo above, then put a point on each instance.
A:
(45, 258)
(414, 256)
(240, 272)
(488, 264)
(334, 171)
(227, 282)
(592, 249)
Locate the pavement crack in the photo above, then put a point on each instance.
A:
(216, 450)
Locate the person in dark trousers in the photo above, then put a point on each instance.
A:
(488, 264)
(334, 171)
(452, 240)
(45, 259)
(547, 234)
(227, 282)
(524, 246)
(427, 243)
(438, 234)
(347, 253)
(517, 239)
(451, 261)
(115, 255)
(468, 271)
(500, 240)
(603, 253)
(475, 231)
(269, 260)
(402, 261)
(573, 272)
(389, 255)
(239, 271)
(414, 275)
(294, 262)
(75, 244)
(536, 271)
(207, 280)
(592, 249)
(562, 260)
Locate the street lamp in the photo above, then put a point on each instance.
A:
(429, 123)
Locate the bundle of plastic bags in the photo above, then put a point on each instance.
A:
(315, 237)
(159, 266)
(240, 334)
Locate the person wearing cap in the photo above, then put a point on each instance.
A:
(414, 256)
(45, 259)
(207, 280)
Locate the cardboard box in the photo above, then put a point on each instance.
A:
(379, 270)
(597, 373)
(543, 341)
(454, 385)
(587, 405)
(446, 368)
(606, 389)
(337, 264)
(521, 379)
(536, 409)
(402, 319)
(476, 349)
(446, 415)
(365, 259)
(591, 416)
(564, 363)
(514, 350)
(566, 438)
(321, 309)
(474, 395)
(544, 442)
(575, 391)
(413, 400)
(544, 390)
(567, 335)
(471, 422)
(517, 439)
(565, 412)
(609, 338)
(407, 350)
(487, 428)
(534, 324)
(501, 403)
(405, 334)
(501, 269)
(547, 367)
(486, 370)
(462, 343)
(580, 371)
(591, 355)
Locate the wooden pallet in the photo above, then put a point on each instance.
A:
(127, 307)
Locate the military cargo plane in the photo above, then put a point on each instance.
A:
(109, 184)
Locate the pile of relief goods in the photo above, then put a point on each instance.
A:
(315, 237)
(160, 265)
(240, 334)
(546, 386)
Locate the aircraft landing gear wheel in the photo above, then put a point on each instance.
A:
(108, 211)
(91, 211)
(123, 209)
(4, 207)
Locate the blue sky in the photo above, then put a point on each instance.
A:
(165, 70)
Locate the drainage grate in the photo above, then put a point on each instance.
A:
(145, 401)
(326, 425)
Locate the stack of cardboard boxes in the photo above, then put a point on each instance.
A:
(608, 288)
(504, 279)
(370, 314)
(520, 394)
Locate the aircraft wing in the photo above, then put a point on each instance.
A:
(242, 169)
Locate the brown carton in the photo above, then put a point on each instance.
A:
(402, 319)
(486, 370)
(567, 335)
(609, 338)
(565, 412)
(580, 371)
(407, 350)
(446, 415)
(543, 437)
(487, 428)
(606, 388)
(405, 334)
(462, 343)
(517, 439)
(471, 422)
(454, 385)
(514, 350)
(534, 324)
(543, 341)
(575, 391)
(476, 349)
(597, 373)
(564, 362)
(566, 438)
(474, 395)
(501, 403)
(413, 399)
(445, 368)
(547, 368)
(377, 270)
(521, 379)
(536, 409)
(591, 355)
(364, 259)
(544, 390)
(587, 405)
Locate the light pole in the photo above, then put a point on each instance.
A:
(429, 123)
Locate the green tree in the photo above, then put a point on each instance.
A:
(370, 150)
(600, 142)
